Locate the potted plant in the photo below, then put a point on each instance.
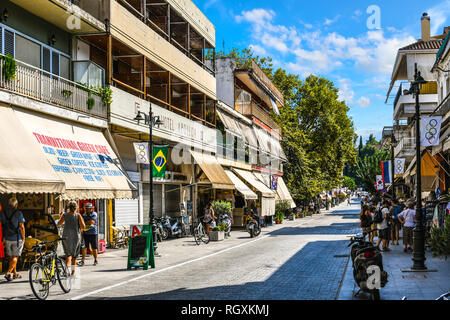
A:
(66, 93)
(217, 233)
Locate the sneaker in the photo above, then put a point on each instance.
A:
(80, 263)
(9, 277)
(95, 262)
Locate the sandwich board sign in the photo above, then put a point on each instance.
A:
(140, 249)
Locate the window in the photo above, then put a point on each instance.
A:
(9, 43)
(64, 67)
(55, 63)
(28, 51)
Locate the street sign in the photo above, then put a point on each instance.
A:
(140, 250)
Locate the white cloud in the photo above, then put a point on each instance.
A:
(439, 15)
(345, 91)
(331, 21)
(363, 102)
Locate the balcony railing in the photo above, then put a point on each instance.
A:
(406, 147)
(38, 84)
(252, 109)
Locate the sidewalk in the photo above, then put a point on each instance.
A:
(112, 267)
(413, 285)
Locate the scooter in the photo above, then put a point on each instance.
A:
(161, 232)
(175, 228)
(367, 266)
(253, 225)
(225, 218)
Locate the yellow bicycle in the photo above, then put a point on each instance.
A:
(48, 269)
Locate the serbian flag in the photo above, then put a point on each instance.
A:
(386, 172)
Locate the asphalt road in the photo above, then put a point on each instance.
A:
(305, 260)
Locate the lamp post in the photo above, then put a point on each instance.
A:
(393, 145)
(419, 230)
(151, 121)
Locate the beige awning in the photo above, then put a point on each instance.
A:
(249, 135)
(80, 156)
(23, 166)
(255, 183)
(263, 139)
(283, 192)
(213, 171)
(241, 186)
(230, 123)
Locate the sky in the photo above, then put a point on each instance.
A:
(352, 43)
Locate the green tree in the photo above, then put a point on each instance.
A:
(349, 183)
(369, 167)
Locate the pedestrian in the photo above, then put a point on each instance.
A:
(396, 225)
(209, 217)
(90, 234)
(13, 226)
(73, 224)
(366, 219)
(373, 225)
(383, 228)
(407, 219)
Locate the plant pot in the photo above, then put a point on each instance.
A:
(216, 235)
(277, 221)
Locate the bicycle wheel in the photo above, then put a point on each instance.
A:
(197, 236)
(38, 281)
(63, 273)
(204, 236)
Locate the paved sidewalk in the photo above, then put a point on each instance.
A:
(413, 285)
(112, 267)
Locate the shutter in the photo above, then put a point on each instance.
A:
(46, 59)
(126, 212)
(1, 40)
(55, 63)
(9, 43)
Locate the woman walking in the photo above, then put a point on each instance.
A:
(73, 224)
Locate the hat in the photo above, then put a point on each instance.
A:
(89, 206)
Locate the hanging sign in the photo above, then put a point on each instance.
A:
(379, 183)
(399, 165)
(430, 131)
(141, 149)
(386, 172)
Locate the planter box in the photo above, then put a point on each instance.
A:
(216, 235)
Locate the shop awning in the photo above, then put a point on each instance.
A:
(241, 186)
(81, 157)
(277, 150)
(283, 192)
(263, 140)
(213, 171)
(231, 125)
(255, 183)
(23, 166)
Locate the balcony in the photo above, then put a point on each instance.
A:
(252, 109)
(406, 148)
(405, 104)
(38, 84)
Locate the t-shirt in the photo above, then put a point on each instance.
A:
(384, 224)
(12, 232)
(410, 217)
(88, 217)
(397, 210)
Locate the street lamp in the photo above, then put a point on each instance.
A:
(151, 121)
(393, 145)
(419, 230)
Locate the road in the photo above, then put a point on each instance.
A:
(306, 259)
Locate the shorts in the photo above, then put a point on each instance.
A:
(14, 248)
(408, 233)
(385, 233)
(91, 239)
(396, 225)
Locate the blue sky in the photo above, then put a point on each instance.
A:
(332, 39)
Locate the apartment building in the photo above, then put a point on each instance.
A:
(249, 145)
(423, 54)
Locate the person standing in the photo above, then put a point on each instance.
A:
(90, 234)
(366, 219)
(13, 224)
(408, 219)
(383, 227)
(208, 217)
(73, 224)
(396, 225)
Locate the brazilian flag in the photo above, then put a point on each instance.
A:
(160, 161)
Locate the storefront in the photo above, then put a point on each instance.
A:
(48, 161)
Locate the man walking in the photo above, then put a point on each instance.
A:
(408, 219)
(13, 225)
(383, 227)
(90, 235)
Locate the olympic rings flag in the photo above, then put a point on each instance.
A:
(430, 131)
(141, 149)
(399, 164)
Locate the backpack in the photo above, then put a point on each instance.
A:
(366, 221)
(378, 216)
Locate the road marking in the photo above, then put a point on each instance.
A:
(179, 265)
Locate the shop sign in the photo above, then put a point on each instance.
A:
(140, 250)
(175, 128)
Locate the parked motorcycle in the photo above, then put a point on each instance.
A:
(161, 232)
(253, 225)
(174, 227)
(225, 218)
(366, 259)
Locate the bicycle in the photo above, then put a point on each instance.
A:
(199, 233)
(49, 268)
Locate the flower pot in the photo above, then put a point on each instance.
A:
(277, 221)
(216, 235)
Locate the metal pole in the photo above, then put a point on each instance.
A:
(151, 209)
(419, 230)
(393, 171)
